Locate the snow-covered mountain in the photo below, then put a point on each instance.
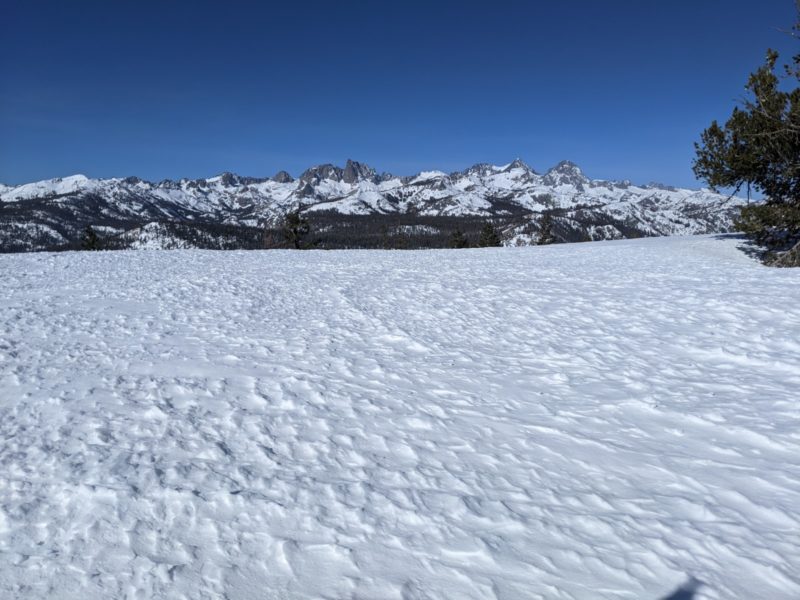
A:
(51, 213)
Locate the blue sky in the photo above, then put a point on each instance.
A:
(191, 89)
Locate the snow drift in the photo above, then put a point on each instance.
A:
(578, 421)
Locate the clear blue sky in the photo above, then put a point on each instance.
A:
(191, 89)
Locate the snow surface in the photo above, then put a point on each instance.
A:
(598, 420)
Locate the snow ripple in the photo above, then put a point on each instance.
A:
(583, 421)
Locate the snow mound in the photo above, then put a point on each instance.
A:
(598, 420)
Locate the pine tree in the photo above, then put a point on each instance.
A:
(546, 235)
(386, 243)
(268, 238)
(489, 236)
(295, 230)
(759, 146)
(89, 239)
(458, 239)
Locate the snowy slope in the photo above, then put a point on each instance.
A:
(153, 236)
(577, 421)
(591, 208)
(50, 187)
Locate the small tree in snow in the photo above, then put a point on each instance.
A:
(458, 239)
(489, 236)
(89, 239)
(546, 235)
(295, 230)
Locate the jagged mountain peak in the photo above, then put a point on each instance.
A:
(481, 169)
(484, 169)
(316, 174)
(657, 185)
(355, 171)
(565, 173)
(282, 177)
(566, 166)
(54, 212)
(171, 183)
(517, 163)
(228, 179)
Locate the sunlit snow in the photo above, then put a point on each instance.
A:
(600, 420)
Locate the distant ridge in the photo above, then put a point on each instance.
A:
(51, 213)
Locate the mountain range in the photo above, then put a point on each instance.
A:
(344, 203)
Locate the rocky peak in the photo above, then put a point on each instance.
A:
(169, 184)
(282, 177)
(565, 173)
(306, 189)
(480, 169)
(517, 163)
(353, 172)
(566, 167)
(356, 171)
(316, 174)
(656, 185)
(228, 179)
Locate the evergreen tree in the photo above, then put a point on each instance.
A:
(489, 236)
(89, 239)
(546, 235)
(386, 242)
(269, 239)
(759, 146)
(458, 239)
(295, 230)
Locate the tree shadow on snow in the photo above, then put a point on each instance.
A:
(686, 591)
(746, 245)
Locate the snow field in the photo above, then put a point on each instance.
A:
(579, 421)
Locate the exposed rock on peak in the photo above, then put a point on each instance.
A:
(316, 174)
(480, 169)
(565, 173)
(517, 163)
(588, 209)
(306, 189)
(228, 179)
(352, 173)
(660, 186)
(282, 177)
(356, 171)
(566, 166)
